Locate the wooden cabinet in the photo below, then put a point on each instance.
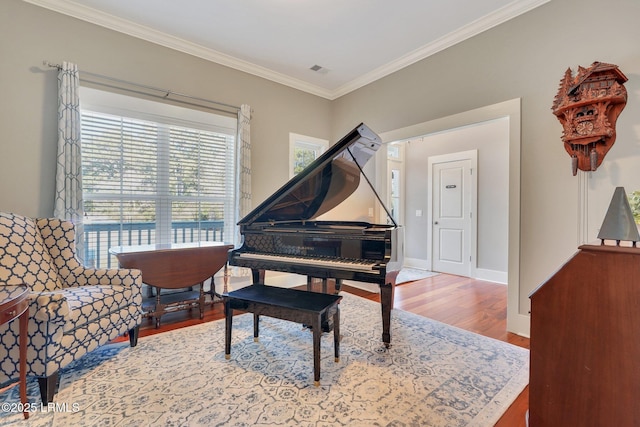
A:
(585, 341)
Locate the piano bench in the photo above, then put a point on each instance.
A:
(287, 304)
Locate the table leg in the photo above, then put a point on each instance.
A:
(159, 308)
(201, 299)
(24, 323)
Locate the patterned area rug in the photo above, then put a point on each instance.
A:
(433, 375)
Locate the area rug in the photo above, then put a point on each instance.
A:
(409, 274)
(433, 375)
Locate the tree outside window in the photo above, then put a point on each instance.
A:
(303, 150)
(634, 202)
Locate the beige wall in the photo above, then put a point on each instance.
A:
(523, 58)
(30, 34)
(526, 58)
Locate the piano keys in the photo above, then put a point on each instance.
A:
(304, 261)
(282, 234)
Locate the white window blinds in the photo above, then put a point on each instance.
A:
(154, 178)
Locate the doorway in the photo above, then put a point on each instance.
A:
(517, 315)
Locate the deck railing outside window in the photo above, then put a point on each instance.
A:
(99, 237)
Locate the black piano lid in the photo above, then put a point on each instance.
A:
(322, 185)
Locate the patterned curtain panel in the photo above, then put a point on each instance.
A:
(68, 197)
(243, 186)
(244, 164)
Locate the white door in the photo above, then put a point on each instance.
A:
(453, 187)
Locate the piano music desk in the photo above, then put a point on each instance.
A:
(287, 304)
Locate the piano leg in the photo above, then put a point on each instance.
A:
(325, 284)
(310, 284)
(326, 322)
(256, 327)
(228, 314)
(257, 276)
(386, 302)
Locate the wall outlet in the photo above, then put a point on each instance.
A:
(418, 212)
(370, 212)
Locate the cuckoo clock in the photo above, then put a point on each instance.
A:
(588, 105)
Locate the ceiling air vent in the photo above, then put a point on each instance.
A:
(319, 69)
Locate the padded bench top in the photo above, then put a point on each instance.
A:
(284, 297)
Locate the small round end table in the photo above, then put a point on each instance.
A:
(14, 303)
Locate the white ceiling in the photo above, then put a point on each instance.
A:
(354, 41)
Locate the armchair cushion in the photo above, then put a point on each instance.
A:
(89, 303)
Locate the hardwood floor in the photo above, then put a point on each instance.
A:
(474, 305)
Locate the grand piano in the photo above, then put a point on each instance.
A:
(281, 234)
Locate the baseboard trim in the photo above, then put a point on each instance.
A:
(417, 263)
(492, 275)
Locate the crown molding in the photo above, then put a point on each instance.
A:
(485, 23)
(130, 28)
(84, 13)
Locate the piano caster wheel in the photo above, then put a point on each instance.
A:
(337, 360)
(316, 383)
(227, 356)
(256, 339)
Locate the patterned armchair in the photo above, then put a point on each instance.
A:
(73, 309)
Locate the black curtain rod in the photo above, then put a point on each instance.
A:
(165, 94)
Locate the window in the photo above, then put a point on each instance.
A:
(154, 173)
(395, 172)
(303, 150)
(634, 203)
